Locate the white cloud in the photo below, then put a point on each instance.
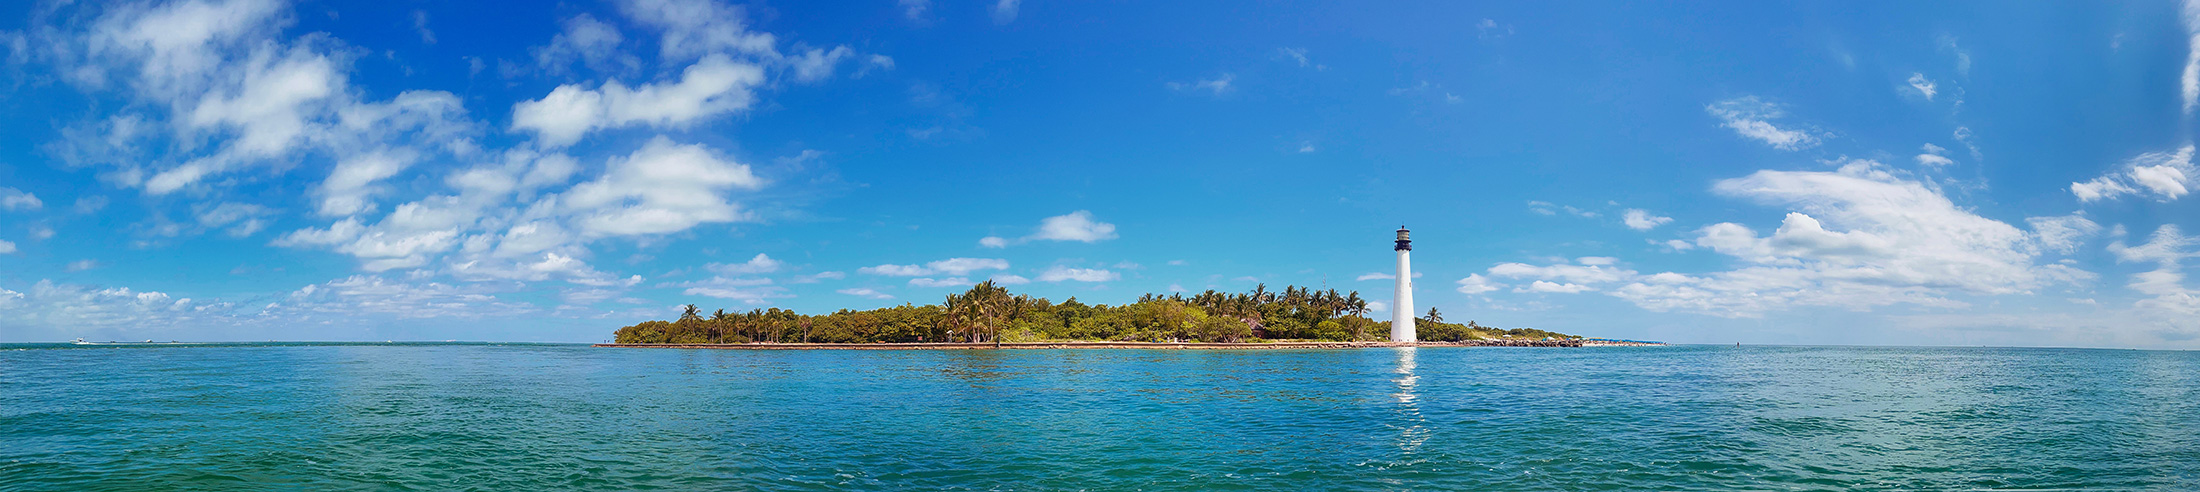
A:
(1934, 156)
(950, 266)
(1547, 287)
(1903, 243)
(2062, 234)
(348, 188)
(1587, 274)
(2171, 298)
(758, 265)
(1547, 208)
(2166, 175)
(1476, 284)
(593, 43)
(14, 199)
(696, 28)
(1006, 279)
(1076, 226)
(2190, 82)
(1750, 117)
(1060, 273)
(1215, 86)
(6, 247)
(943, 282)
(238, 219)
(817, 63)
(82, 265)
(1923, 85)
(914, 9)
(865, 292)
(1381, 276)
(1642, 220)
(819, 276)
(661, 188)
(754, 291)
(713, 86)
(1004, 11)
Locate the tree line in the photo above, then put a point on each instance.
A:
(989, 313)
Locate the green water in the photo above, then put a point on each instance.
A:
(551, 417)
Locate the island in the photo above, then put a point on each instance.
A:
(988, 316)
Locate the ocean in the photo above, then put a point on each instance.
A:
(561, 417)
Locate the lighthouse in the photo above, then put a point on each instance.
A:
(1401, 311)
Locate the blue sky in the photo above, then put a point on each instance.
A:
(1967, 173)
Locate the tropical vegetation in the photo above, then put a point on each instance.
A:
(989, 313)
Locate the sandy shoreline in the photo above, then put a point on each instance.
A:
(1128, 345)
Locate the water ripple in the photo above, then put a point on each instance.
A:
(502, 417)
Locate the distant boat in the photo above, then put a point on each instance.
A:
(80, 341)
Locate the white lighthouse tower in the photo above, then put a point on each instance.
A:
(1401, 311)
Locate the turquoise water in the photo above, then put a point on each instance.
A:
(540, 417)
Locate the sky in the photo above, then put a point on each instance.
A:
(1873, 173)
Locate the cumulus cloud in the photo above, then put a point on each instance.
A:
(817, 64)
(1858, 237)
(1004, 11)
(662, 187)
(1923, 86)
(865, 292)
(6, 247)
(942, 282)
(950, 266)
(347, 189)
(1476, 284)
(2164, 175)
(1751, 117)
(1076, 226)
(588, 41)
(714, 86)
(752, 291)
(697, 28)
(1060, 273)
(1642, 220)
(2167, 248)
(2062, 234)
(758, 265)
(16, 200)
(1548, 287)
(818, 277)
(1903, 243)
(1934, 156)
(237, 219)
